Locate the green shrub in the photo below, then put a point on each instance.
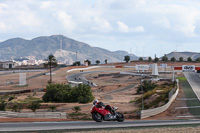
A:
(76, 109)
(34, 106)
(17, 107)
(62, 93)
(81, 93)
(146, 86)
(161, 96)
(3, 105)
(56, 92)
(52, 108)
(146, 95)
(11, 98)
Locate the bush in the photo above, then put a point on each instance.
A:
(3, 105)
(77, 63)
(56, 92)
(62, 93)
(52, 108)
(82, 94)
(146, 95)
(34, 106)
(146, 86)
(11, 98)
(76, 109)
(17, 107)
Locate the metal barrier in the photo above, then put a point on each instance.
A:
(54, 115)
(155, 111)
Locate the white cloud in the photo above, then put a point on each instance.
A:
(178, 18)
(3, 7)
(156, 21)
(66, 20)
(3, 27)
(124, 28)
(46, 5)
(101, 25)
(164, 22)
(138, 29)
(27, 18)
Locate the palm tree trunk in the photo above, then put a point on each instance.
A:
(50, 75)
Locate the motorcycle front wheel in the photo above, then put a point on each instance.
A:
(120, 117)
(97, 117)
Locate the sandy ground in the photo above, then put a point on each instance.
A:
(150, 130)
(105, 92)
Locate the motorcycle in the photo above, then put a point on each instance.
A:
(100, 113)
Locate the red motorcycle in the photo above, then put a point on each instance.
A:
(101, 112)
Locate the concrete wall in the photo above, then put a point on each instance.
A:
(55, 115)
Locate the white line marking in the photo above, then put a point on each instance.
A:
(188, 116)
(187, 107)
(187, 99)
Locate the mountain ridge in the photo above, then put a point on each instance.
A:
(63, 48)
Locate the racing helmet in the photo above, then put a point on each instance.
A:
(95, 101)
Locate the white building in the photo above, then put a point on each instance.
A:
(8, 64)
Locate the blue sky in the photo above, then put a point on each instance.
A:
(141, 27)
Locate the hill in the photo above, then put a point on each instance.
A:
(185, 55)
(63, 48)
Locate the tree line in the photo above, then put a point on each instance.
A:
(164, 59)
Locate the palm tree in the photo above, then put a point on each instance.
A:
(106, 61)
(50, 62)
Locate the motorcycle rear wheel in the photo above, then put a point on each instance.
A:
(120, 117)
(97, 117)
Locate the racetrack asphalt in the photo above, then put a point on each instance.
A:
(80, 125)
(194, 81)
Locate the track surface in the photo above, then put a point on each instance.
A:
(78, 125)
(194, 81)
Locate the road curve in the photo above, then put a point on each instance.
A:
(79, 77)
(79, 125)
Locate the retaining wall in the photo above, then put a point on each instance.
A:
(55, 115)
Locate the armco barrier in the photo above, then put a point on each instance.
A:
(155, 111)
(55, 115)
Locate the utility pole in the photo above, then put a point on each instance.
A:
(76, 59)
(142, 94)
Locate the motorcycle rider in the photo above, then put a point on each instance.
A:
(107, 107)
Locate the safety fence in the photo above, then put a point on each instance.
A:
(155, 111)
(21, 91)
(52, 115)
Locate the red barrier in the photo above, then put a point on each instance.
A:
(178, 68)
(118, 66)
(197, 68)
